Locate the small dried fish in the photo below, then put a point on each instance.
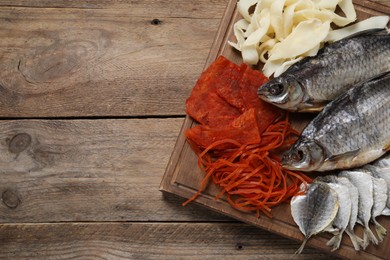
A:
(382, 173)
(364, 184)
(314, 211)
(380, 193)
(341, 221)
(354, 195)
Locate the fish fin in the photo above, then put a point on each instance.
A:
(379, 76)
(356, 241)
(375, 31)
(334, 231)
(386, 212)
(380, 230)
(312, 106)
(302, 246)
(344, 156)
(335, 241)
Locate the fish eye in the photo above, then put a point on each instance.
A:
(297, 156)
(276, 89)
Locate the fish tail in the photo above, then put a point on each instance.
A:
(301, 247)
(356, 241)
(380, 230)
(368, 236)
(335, 241)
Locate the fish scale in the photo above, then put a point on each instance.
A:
(368, 119)
(330, 75)
(314, 81)
(351, 131)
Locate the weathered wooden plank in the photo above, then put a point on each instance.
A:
(89, 170)
(74, 62)
(146, 241)
(175, 8)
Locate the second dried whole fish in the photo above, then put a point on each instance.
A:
(363, 113)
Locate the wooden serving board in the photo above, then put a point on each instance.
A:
(183, 177)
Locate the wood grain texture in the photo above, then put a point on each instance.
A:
(89, 170)
(77, 63)
(146, 241)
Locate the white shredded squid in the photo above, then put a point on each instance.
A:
(282, 32)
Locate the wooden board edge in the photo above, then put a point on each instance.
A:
(175, 156)
(224, 27)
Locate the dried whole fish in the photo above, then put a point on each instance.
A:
(314, 81)
(364, 184)
(382, 173)
(326, 144)
(314, 211)
(380, 170)
(344, 214)
(380, 199)
(354, 195)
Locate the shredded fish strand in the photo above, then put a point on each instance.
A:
(250, 175)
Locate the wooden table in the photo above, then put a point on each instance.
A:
(91, 103)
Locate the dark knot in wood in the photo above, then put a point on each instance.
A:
(19, 143)
(239, 246)
(156, 21)
(10, 199)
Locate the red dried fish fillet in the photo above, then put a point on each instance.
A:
(225, 103)
(244, 130)
(228, 87)
(204, 104)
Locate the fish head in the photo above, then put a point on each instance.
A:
(304, 155)
(285, 92)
